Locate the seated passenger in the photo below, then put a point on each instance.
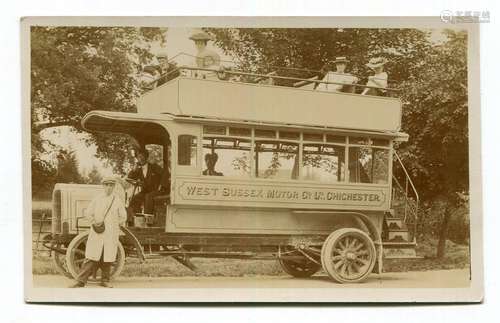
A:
(148, 176)
(379, 79)
(211, 160)
(339, 76)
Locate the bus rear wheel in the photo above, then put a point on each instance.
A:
(300, 268)
(348, 255)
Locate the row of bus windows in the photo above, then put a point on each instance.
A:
(231, 157)
(292, 135)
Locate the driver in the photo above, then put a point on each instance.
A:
(148, 177)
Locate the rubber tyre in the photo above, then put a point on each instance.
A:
(339, 255)
(297, 270)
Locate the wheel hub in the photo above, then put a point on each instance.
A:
(350, 256)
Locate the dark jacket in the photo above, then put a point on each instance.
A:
(152, 180)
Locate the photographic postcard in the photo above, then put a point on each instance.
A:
(238, 159)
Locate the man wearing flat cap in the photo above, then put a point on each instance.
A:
(108, 212)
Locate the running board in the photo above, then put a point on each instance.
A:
(400, 250)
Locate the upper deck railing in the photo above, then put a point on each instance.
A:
(274, 75)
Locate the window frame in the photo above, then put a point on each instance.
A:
(300, 142)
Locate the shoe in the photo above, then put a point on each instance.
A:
(106, 284)
(77, 285)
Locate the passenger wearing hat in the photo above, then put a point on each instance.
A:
(205, 58)
(164, 67)
(148, 176)
(379, 79)
(101, 248)
(340, 78)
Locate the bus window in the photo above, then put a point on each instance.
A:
(277, 160)
(323, 163)
(359, 164)
(368, 165)
(380, 166)
(186, 148)
(228, 157)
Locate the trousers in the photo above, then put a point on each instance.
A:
(89, 267)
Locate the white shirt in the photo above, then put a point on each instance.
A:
(145, 169)
(380, 78)
(344, 78)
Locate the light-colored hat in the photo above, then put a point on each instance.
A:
(200, 36)
(108, 180)
(376, 62)
(162, 55)
(340, 59)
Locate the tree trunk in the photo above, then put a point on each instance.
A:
(443, 233)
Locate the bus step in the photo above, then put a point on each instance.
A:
(400, 253)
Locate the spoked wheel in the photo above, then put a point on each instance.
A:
(302, 267)
(59, 260)
(75, 256)
(348, 255)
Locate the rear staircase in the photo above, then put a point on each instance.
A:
(399, 233)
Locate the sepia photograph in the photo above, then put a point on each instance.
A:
(284, 160)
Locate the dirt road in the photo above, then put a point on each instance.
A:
(425, 279)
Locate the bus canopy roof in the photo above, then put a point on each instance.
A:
(194, 97)
(138, 126)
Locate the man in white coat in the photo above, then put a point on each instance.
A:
(102, 248)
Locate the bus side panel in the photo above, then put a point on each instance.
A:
(194, 219)
(217, 191)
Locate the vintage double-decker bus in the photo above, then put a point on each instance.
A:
(259, 171)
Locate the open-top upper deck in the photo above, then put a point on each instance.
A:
(238, 101)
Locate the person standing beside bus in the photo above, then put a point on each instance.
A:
(105, 214)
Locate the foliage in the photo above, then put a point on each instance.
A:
(67, 168)
(431, 79)
(274, 49)
(436, 116)
(43, 174)
(93, 177)
(78, 69)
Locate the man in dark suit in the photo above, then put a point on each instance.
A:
(148, 176)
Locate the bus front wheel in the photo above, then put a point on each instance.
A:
(348, 255)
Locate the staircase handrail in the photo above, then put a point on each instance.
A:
(413, 208)
(407, 177)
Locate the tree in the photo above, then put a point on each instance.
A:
(94, 176)
(78, 69)
(431, 79)
(308, 50)
(436, 117)
(67, 168)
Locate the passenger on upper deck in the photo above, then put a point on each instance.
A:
(211, 160)
(205, 58)
(163, 66)
(339, 76)
(377, 80)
